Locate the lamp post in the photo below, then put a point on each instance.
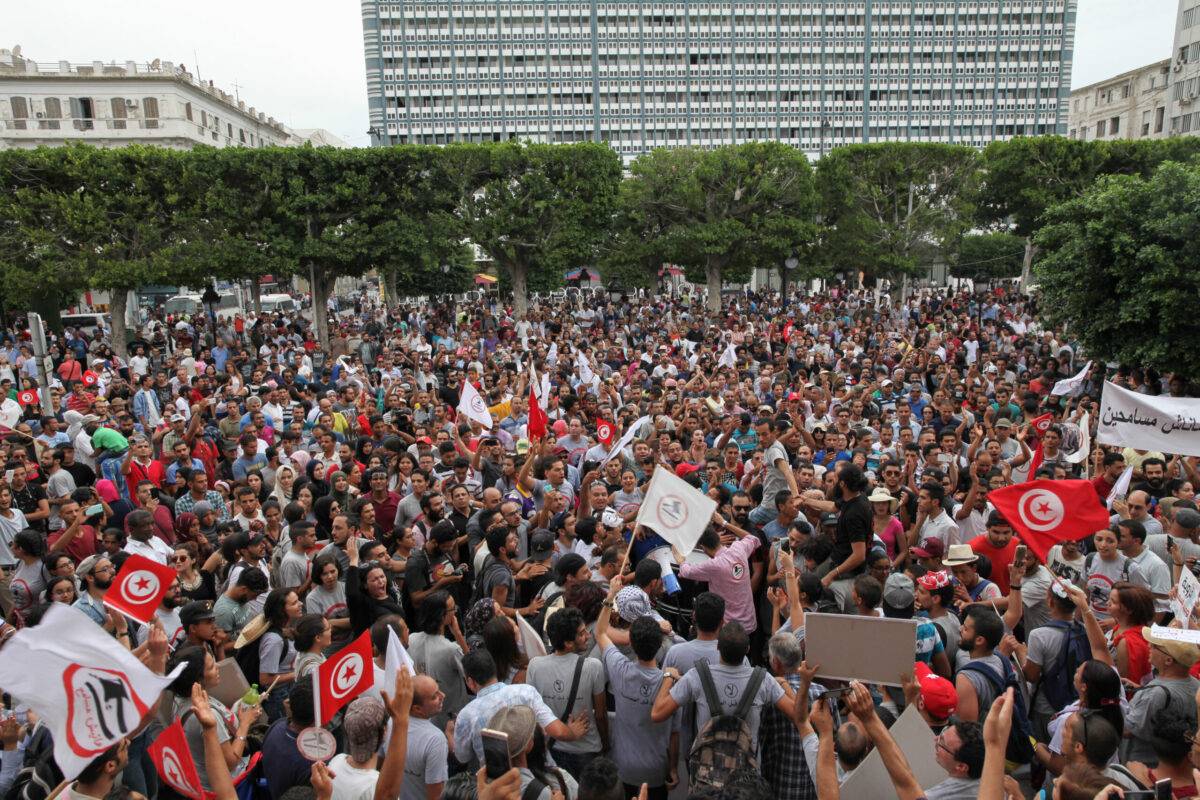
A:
(210, 298)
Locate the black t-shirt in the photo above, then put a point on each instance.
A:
(854, 525)
(27, 500)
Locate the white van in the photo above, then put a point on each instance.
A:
(87, 323)
(184, 304)
(284, 303)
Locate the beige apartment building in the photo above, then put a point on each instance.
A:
(1132, 105)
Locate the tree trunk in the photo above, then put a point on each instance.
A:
(1027, 264)
(120, 301)
(712, 274)
(520, 289)
(320, 297)
(256, 295)
(389, 287)
(904, 290)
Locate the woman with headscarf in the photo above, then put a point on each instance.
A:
(324, 509)
(187, 529)
(208, 521)
(315, 472)
(340, 490)
(476, 619)
(285, 481)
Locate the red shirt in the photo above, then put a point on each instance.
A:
(82, 546)
(1103, 487)
(138, 473)
(208, 455)
(385, 511)
(1001, 559)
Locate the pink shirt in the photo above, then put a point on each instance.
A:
(728, 574)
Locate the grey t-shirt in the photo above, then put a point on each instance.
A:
(1100, 575)
(729, 682)
(551, 675)
(639, 746)
(1046, 646)
(293, 569)
(426, 760)
(275, 656)
(194, 734)
(1158, 546)
(60, 484)
(441, 659)
(27, 583)
(230, 615)
(331, 605)
(775, 480)
(1146, 703)
(1157, 575)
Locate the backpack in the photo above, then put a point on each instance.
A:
(1057, 681)
(725, 743)
(1020, 747)
(490, 567)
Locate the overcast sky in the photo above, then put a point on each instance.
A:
(302, 61)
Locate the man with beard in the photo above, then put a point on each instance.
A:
(96, 574)
(430, 567)
(1154, 471)
(497, 579)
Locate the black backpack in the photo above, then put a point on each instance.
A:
(1020, 747)
(725, 744)
(1057, 681)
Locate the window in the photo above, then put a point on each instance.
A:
(118, 113)
(1114, 126)
(1158, 118)
(1100, 128)
(187, 111)
(150, 111)
(20, 112)
(83, 113)
(53, 114)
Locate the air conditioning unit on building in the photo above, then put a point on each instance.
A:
(1178, 67)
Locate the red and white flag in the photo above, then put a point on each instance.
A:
(605, 432)
(1042, 424)
(87, 689)
(173, 760)
(470, 403)
(344, 676)
(90, 378)
(1044, 513)
(535, 428)
(139, 587)
(29, 397)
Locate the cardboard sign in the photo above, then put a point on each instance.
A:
(867, 649)
(232, 684)
(1187, 592)
(916, 742)
(1175, 634)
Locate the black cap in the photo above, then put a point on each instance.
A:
(541, 545)
(196, 611)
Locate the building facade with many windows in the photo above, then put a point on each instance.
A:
(111, 104)
(640, 75)
(1132, 105)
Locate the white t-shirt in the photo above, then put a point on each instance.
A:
(351, 783)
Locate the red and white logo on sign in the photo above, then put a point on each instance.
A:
(90, 378)
(102, 707)
(672, 512)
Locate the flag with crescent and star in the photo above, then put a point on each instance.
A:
(1044, 513)
(139, 587)
(342, 677)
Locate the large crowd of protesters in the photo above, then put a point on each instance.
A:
(306, 495)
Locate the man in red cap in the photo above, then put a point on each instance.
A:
(933, 695)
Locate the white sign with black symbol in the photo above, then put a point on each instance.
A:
(316, 744)
(1187, 592)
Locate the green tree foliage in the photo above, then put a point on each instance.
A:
(885, 205)
(719, 213)
(988, 256)
(1023, 177)
(1119, 267)
(535, 210)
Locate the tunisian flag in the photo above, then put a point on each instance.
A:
(347, 674)
(536, 427)
(173, 760)
(139, 587)
(1044, 513)
(605, 432)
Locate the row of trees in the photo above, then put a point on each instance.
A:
(75, 218)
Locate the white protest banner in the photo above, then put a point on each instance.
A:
(1149, 422)
(1085, 440)
(675, 510)
(1175, 634)
(88, 690)
(1187, 592)
(867, 649)
(472, 406)
(530, 642)
(394, 660)
(1073, 386)
(1120, 488)
(870, 778)
(729, 357)
(625, 439)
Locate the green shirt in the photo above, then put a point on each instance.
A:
(110, 440)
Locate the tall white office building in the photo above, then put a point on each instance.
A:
(640, 75)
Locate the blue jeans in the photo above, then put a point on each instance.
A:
(763, 514)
